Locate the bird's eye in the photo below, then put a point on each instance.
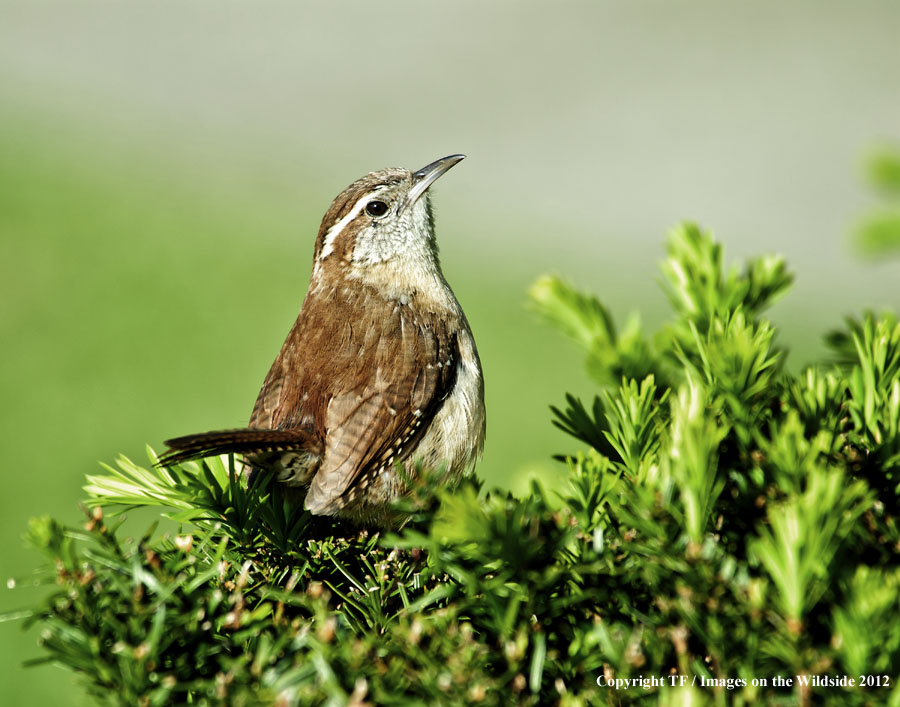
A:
(376, 208)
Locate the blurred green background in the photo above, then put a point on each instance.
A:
(164, 166)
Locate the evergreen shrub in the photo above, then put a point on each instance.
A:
(725, 526)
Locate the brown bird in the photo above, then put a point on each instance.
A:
(379, 369)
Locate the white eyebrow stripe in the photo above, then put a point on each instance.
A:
(335, 230)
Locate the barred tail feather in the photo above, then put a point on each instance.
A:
(244, 442)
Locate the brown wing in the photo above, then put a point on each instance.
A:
(363, 375)
(268, 398)
(404, 369)
(290, 397)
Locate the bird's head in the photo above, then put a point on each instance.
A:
(381, 223)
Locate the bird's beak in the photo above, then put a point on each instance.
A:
(425, 177)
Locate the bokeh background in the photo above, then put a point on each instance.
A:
(164, 166)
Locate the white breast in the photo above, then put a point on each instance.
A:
(455, 438)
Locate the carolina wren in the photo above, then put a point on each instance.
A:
(380, 367)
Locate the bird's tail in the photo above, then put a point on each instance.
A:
(245, 442)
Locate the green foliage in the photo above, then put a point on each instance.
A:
(878, 233)
(727, 521)
(611, 354)
(883, 169)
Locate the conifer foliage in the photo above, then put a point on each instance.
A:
(723, 521)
